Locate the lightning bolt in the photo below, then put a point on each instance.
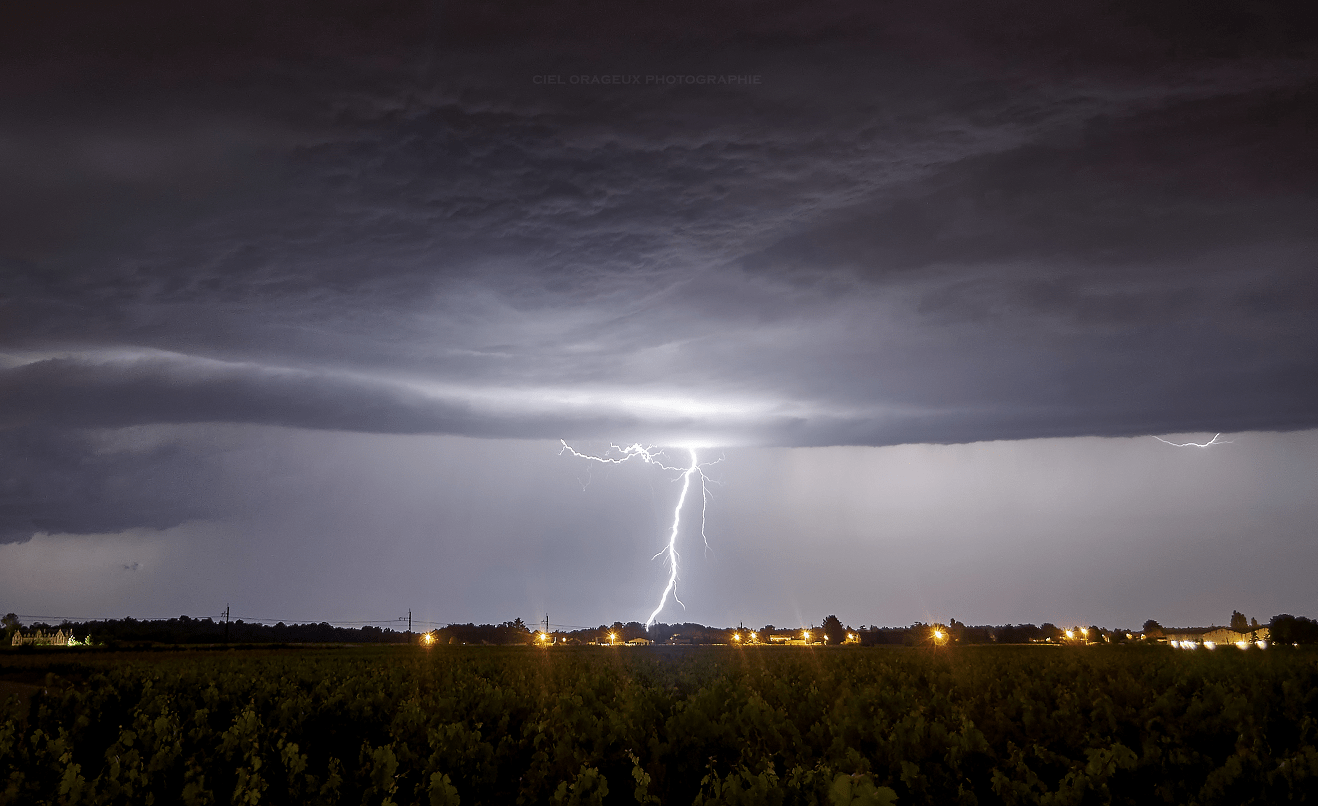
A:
(1216, 440)
(652, 456)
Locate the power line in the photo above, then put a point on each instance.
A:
(220, 617)
(226, 615)
(114, 618)
(296, 621)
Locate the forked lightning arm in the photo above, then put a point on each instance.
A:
(651, 456)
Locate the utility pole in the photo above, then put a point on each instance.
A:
(226, 623)
(546, 626)
(409, 622)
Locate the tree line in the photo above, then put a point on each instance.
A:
(1284, 629)
(187, 630)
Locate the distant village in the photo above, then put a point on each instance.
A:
(1240, 633)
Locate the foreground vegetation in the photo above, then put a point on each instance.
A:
(705, 725)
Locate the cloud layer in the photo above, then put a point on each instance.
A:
(922, 224)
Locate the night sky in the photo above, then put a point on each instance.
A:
(298, 300)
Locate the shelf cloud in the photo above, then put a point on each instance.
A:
(921, 223)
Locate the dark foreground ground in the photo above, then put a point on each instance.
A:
(403, 724)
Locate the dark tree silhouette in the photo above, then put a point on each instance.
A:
(1238, 621)
(9, 625)
(833, 629)
(1287, 629)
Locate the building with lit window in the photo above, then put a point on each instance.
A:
(1215, 636)
(40, 638)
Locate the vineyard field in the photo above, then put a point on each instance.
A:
(701, 725)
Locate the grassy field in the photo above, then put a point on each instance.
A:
(403, 724)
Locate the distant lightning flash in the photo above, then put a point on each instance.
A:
(651, 456)
(1216, 440)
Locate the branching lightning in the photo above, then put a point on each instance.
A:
(652, 456)
(1216, 440)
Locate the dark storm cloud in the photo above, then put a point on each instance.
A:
(934, 222)
(82, 482)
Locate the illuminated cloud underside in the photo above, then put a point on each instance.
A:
(246, 277)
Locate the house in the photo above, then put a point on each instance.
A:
(1210, 637)
(640, 642)
(40, 638)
